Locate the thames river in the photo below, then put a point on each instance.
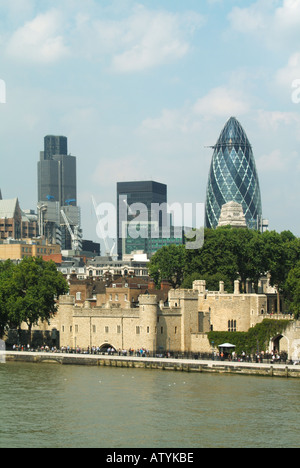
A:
(55, 406)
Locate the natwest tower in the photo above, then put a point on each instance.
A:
(59, 216)
(57, 172)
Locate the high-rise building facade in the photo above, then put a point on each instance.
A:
(57, 172)
(59, 216)
(233, 177)
(129, 193)
(55, 145)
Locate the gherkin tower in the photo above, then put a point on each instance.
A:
(233, 177)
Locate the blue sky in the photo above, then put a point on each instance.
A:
(141, 88)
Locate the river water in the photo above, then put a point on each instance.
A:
(55, 406)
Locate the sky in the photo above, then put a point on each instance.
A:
(142, 89)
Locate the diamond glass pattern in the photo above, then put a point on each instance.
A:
(233, 176)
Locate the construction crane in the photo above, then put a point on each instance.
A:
(108, 251)
(75, 240)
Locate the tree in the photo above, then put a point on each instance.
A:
(169, 264)
(212, 281)
(292, 290)
(282, 252)
(249, 248)
(217, 256)
(32, 288)
(8, 295)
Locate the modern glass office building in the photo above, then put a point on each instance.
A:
(233, 177)
(57, 192)
(57, 172)
(128, 194)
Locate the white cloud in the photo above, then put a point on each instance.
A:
(39, 40)
(287, 75)
(142, 40)
(271, 162)
(221, 102)
(276, 26)
(138, 40)
(278, 161)
(150, 39)
(279, 120)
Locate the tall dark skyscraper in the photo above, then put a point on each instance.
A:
(57, 195)
(54, 145)
(128, 193)
(57, 172)
(233, 177)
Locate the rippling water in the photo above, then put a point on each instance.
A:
(49, 405)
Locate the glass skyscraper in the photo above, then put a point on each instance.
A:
(233, 177)
(57, 172)
(57, 194)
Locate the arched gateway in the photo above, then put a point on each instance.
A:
(106, 347)
(288, 341)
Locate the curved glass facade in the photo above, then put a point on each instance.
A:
(233, 177)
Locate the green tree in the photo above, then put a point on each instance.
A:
(249, 248)
(217, 256)
(169, 264)
(32, 288)
(292, 290)
(212, 281)
(8, 295)
(282, 252)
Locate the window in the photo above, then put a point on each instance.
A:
(94, 328)
(106, 329)
(116, 297)
(148, 329)
(137, 330)
(118, 328)
(110, 297)
(200, 322)
(76, 328)
(175, 330)
(161, 330)
(78, 296)
(232, 325)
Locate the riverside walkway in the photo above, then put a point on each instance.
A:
(166, 364)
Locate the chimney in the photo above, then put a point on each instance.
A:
(237, 287)
(151, 285)
(165, 286)
(221, 287)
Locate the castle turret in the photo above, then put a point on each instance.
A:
(148, 320)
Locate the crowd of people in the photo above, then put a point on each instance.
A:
(274, 357)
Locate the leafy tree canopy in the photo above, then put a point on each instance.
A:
(28, 292)
(229, 254)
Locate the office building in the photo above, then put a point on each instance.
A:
(57, 172)
(142, 192)
(233, 177)
(58, 214)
